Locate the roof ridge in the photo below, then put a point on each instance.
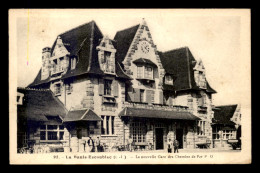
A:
(91, 47)
(84, 114)
(184, 47)
(92, 21)
(34, 89)
(188, 66)
(127, 28)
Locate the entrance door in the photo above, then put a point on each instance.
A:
(159, 138)
(179, 137)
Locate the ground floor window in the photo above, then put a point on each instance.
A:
(201, 128)
(138, 131)
(51, 132)
(228, 134)
(107, 125)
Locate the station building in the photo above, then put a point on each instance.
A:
(124, 88)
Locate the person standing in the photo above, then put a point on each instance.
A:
(169, 146)
(130, 143)
(97, 144)
(176, 146)
(90, 145)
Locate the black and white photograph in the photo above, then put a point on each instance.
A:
(131, 86)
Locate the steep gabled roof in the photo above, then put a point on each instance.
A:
(37, 81)
(123, 40)
(81, 42)
(223, 114)
(37, 104)
(180, 63)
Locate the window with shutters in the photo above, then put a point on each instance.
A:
(107, 87)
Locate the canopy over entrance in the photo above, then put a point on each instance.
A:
(152, 113)
(81, 115)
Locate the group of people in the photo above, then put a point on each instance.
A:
(91, 146)
(174, 144)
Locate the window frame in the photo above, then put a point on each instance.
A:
(59, 130)
(230, 134)
(140, 71)
(108, 125)
(148, 74)
(107, 88)
(55, 89)
(69, 88)
(167, 81)
(201, 128)
(138, 132)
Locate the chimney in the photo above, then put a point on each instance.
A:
(45, 71)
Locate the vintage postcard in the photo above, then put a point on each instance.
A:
(130, 86)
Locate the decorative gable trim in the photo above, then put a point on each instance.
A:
(134, 47)
(199, 75)
(199, 66)
(61, 48)
(106, 56)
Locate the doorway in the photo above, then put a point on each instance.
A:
(179, 137)
(159, 138)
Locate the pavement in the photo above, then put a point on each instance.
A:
(197, 150)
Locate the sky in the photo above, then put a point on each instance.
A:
(216, 37)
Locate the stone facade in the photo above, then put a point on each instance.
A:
(88, 92)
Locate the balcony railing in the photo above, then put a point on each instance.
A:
(57, 69)
(156, 106)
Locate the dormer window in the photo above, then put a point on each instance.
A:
(145, 68)
(168, 80)
(148, 73)
(199, 74)
(73, 63)
(140, 71)
(106, 55)
(201, 79)
(144, 72)
(19, 98)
